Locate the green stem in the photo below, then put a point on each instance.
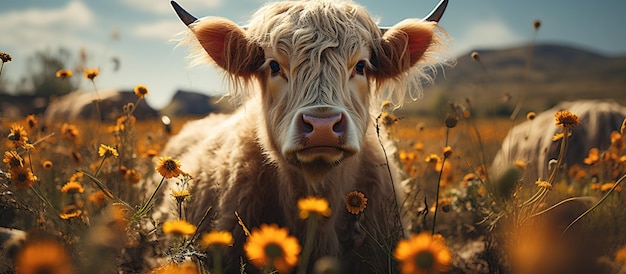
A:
(146, 205)
(443, 162)
(308, 243)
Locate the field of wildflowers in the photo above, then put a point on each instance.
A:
(70, 194)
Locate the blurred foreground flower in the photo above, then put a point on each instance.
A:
(313, 205)
(43, 255)
(64, 73)
(179, 227)
(270, 245)
(217, 239)
(423, 253)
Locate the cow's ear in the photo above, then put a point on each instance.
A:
(228, 45)
(402, 46)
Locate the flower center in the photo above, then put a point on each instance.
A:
(355, 201)
(425, 259)
(170, 165)
(22, 177)
(273, 250)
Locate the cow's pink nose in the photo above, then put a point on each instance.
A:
(323, 129)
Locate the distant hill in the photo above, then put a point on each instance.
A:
(496, 83)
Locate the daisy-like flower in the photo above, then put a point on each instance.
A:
(271, 245)
(31, 121)
(179, 227)
(43, 255)
(91, 73)
(168, 167)
(315, 205)
(72, 187)
(107, 151)
(423, 253)
(141, 91)
(98, 198)
(70, 132)
(64, 73)
(355, 202)
(12, 159)
(180, 195)
(531, 115)
(22, 177)
(70, 212)
(217, 239)
(566, 119)
(18, 135)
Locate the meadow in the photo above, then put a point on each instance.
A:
(74, 188)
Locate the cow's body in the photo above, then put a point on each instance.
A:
(531, 141)
(308, 73)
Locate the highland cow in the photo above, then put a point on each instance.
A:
(308, 75)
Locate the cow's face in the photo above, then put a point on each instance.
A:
(317, 64)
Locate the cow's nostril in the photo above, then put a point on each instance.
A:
(323, 127)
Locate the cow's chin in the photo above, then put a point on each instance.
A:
(317, 161)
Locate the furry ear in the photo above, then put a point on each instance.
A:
(229, 46)
(401, 47)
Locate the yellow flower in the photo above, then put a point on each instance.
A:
(179, 227)
(43, 255)
(531, 115)
(423, 253)
(91, 73)
(72, 187)
(593, 157)
(64, 73)
(12, 159)
(217, 239)
(315, 205)
(70, 212)
(141, 91)
(168, 167)
(18, 135)
(70, 132)
(132, 176)
(432, 159)
(107, 151)
(98, 198)
(566, 119)
(607, 186)
(270, 245)
(180, 195)
(355, 202)
(175, 268)
(388, 119)
(31, 121)
(22, 177)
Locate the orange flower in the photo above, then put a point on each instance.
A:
(220, 238)
(47, 165)
(70, 212)
(22, 177)
(64, 73)
(355, 202)
(270, 245)
(72, 187)
(179, 227)
(141, 91)
(91, 73)
(107, 151)
(594, 156)
(423, 253)
(18, 135)
(566, 119)
(12, 159)
(168, 167)
(315, 205)
(43, 255)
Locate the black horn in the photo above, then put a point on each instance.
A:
(437, 13)
(184, 16)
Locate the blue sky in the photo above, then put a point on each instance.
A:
(145, 28)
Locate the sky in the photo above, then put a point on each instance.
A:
(139, 34)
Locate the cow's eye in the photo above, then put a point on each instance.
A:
(360, 67)
(274, 66)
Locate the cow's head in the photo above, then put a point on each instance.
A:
(319, 65)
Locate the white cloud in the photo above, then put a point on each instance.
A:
(162, 30)
(32, 29)
(165, 7)
(487, 33)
